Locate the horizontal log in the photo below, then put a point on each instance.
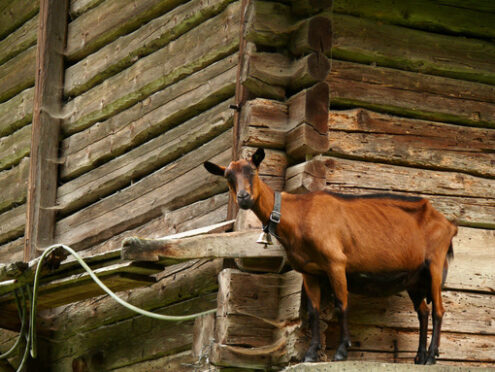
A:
(279, 70)
(454, 346)
(175, 284)
(306, 177)
(12, 251)
(19, 40)
(438, 16)
(148, 341)
(180, 362)
(14, 13)
(124, 51)
(15, 147)
(308, 7)
(411, 94)
(12, 223)
(225, 245)
(175, 185)
(14, 185)
(17, 73)
(414, 143)
(368, 41)
(312, 35)
(175, 61)
(16, 112)
(126, 135)
(202, 213)
(306, 140)
(87, 33)
(78, 7)
(484, 6)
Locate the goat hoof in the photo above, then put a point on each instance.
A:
(420, 357)
(341, 353)
(430, 360)
(311, 355)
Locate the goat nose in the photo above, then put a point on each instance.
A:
(243, 194)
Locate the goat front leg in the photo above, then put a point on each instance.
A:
(312, 289)
(339, 284)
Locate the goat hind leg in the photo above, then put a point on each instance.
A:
(436, 272)
(423, 314)
(339, 284)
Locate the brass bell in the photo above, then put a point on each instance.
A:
(265, 239)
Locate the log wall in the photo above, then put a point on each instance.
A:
(18, 35)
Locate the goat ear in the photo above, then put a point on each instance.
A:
(217, 170)
(258, 157)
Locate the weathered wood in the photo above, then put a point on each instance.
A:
(307, 7)
(12, 251)
(279, 70)
(17, 73)
(124, 51)
(223, 245)
(466, 207)
(306, 140)
(306, 177)
(177, 184)
(19, 40)
(204, 212)
(438, 16)
(43, 176)
(87, 33)
(14, 185)
(263, 123)
(203, 335)
(472, 267)
(15, 147)
(313, 34)
(16, 112)
(12, 223)
(207, 43)
(78, 7)
(368, 41)
(162, 119)
(14, 13)
(151, 338)
(176, 283)
(374, 136)
(411, 94)
(180, 362)
(454, 346)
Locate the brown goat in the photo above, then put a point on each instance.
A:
(374, 244)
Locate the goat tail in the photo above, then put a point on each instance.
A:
(450, 252)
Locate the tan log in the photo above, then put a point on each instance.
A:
(178, 59)
(412, 94)
(17, 73)
(124, 51)
(14, 13)
(306, 177)
(19, 40)
(308, 7)
(78, 7)
(14, 185)
(418, 143)
(313, 34)
(15, 147)
(12, 223)
(305, 140)
(12, 251)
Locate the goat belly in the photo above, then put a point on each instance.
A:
(384, 284)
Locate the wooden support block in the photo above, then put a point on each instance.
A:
(308, 7)
(313, 34)
(310, 106)
(305, 140)
(306, 177)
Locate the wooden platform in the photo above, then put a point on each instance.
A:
(358, 366)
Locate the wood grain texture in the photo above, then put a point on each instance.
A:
(367, 41)
(19, 40)
(109, 20)
(177, 184)
(12, 223)
(12, 251)
(14, 13)
(16, 112)
(189, 53)
(17, 73)
(411, 94)
(15, 147)
(124, 51)
(14, 185)
(417, 143)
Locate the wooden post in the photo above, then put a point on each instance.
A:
(42, 186)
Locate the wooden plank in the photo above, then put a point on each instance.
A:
(181, 362)
(225, 245)
(437, 16)
(201, 213)
(454, 346)
(368, 41)
(163, 119)
(412, 95)
(177, 184)
(12, 251)
(17, 73)
(16, 112)
(88, 32)
(125, 50)
(12, 223)
(15, 147)
(424, 144)
(15, 13)
(42, 185)
(156, 71)
(14, 185)
(19, 40)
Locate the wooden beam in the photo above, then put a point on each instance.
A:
(42, 185)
